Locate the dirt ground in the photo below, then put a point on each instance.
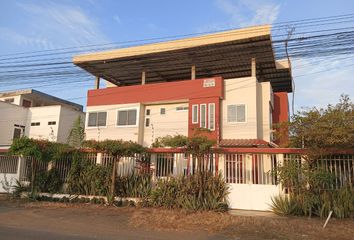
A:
(44, 220)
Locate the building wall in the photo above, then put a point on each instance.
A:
(43, 115)
(171, 123)
(17, 99)
(111, 131)
(66, 122)
(10, 115)
(240, 91)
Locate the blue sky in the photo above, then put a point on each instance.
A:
(39, 25)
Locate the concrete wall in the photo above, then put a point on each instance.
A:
(10, 115)
(66, 122)
(171, 123)
(17, 99)
(43, 115)
(111, 130)
(256, 97)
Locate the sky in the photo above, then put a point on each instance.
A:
(27, 26)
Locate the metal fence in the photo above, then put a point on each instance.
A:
(9, 164)
(250, 168)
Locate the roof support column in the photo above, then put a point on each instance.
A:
(143, 77)
(193, 73)
(253, 67)
(97, 82)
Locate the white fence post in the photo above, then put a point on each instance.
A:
(99, 158)
(153, 165)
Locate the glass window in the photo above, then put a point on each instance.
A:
(97, 119)
(184, 108)
(203, 115)
(148, 112)
(127, 117)
(35, 124)
(52, 123)
(241, 113)
(162, 111)
(147, 122)
(195, 114)
(212, 116)
(9, 100)
(236, 113)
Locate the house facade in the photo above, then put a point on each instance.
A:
(228, 83)
(36, 115)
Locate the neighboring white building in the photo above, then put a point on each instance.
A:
(36, 115)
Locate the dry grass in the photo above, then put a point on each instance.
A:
(223, 224)
(239, 226)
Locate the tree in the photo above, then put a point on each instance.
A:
(117, 149)
(77, 133)
(324, 129)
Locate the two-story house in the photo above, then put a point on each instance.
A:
(36, 115)
(227, 82)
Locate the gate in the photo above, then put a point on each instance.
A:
(251, 180)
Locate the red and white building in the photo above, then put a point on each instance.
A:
(229, 83)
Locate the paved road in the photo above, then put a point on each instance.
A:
(76, 223)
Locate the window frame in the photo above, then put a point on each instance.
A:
(87, 119)
(211, 104)
(184, 108)
(52, 123)
(35, 124)
(205, 117)
(197, 117)
(227, 112)
(127, 109)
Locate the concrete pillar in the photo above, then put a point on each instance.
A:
(99, 158)
(193, 72)
(143, 77)
(97, 83)
(253, 67)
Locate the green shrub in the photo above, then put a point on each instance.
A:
(49, 181)
(133, 185)
(201, 191)
(284, 205)
(86, 178)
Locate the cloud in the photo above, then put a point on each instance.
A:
(58, 25)
(117, 19)
(321, 81)
(242, 13)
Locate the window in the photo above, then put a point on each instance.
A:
(195, 114)
(127, 117)
(211, 116)
(203, 115)
(52, 123)
(241, 113)
(17, 133)
(148, 112)
(236, 113)
(35, 124)
(97, 119)
(185, 108)
(162, 111)
(26, 103)
(9, 100)
(147, 122)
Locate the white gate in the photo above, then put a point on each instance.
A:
(251, 180)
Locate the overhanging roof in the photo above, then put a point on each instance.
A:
(227, 54)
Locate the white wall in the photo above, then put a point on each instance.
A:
(172, 123)
(256, 97)
(43, 115)
(66, 122)
(17, 99)
(10, 115)
(111, 131)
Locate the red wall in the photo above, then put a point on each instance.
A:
(193, 128)
(157, 92)
(281, 113)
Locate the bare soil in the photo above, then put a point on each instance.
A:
(108, 221)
